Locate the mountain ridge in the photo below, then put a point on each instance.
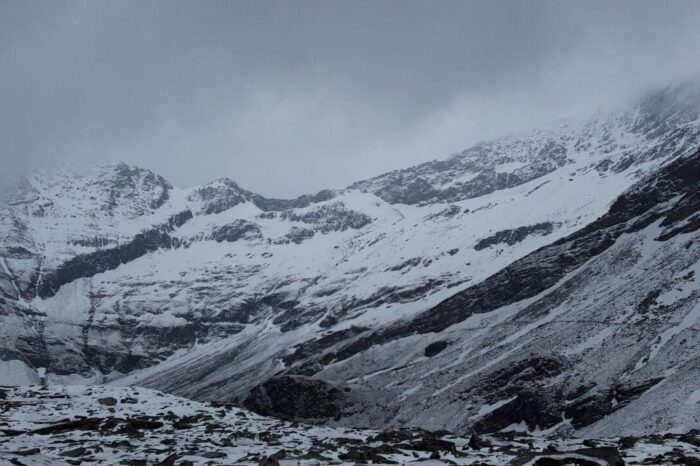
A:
(215, 292)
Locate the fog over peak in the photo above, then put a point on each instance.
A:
(288, 98)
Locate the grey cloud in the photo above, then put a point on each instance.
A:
(290, 97)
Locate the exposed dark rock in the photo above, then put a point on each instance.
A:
(399, 191)
(296, 398)
(610, 455)
(168, 460)
(448, 212)
(108, 401)
(692, 438)
(590, 409)
(80, 451)
(268, 461)
(511, 237)
(435, 348)
(429, 443)
(80, 424)
(300, 202)
(394, 436)
(236, 230)
(219, 196)
(409, 263)
(329, 217)
(627, 442)
(88, 265)
(29, 452)
(296, 235)
(533, 408)
(318, 345)
(143, 424)
(364, 455)
(476, 443)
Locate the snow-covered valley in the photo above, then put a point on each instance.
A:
(543, 283)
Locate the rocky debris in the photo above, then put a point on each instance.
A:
(168, 460)
(30, 452)
(189, 433)
(582, 457)
(80, 451)
(394, 436)
(268, 461)
(109, 401)
(296, 398)
(477, 443)
(692, 437)
(84, 424)
(433, 443)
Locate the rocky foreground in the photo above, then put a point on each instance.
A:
(134, 426)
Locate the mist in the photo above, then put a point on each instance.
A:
(288, 98)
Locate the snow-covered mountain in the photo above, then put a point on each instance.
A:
(540, 281)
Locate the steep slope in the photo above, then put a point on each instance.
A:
(551, 203)
(208, 291)
(595, 333)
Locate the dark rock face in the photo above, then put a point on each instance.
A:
(533, 408)
(276, 205)
(296, 398)
(511, 237)
(329, 217)
(318, 345)
(400, 190)
(128, 180)
(415, 186)
(296, 235)
(219, 196)
(581, 457)
(586, 410)
(224, 194)
(434, 349)
(236, 230)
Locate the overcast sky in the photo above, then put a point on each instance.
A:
(293, 96)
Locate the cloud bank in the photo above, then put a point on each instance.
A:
(291, 97)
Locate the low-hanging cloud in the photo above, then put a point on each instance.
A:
(291, 97)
